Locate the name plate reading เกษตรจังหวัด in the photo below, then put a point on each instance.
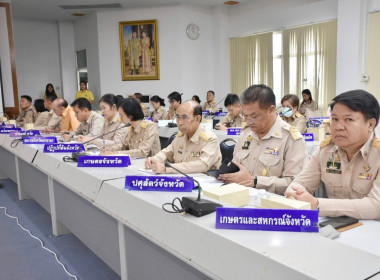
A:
(40, 140)
(267, 219)
(233, 131)
(7, 130)
(159, 183)
(308, 136)
(63, 148)
(104, 161)
(20, 133)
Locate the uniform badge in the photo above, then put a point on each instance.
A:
(333, 167)
(139, 140)
(365, 176)
(195, 154)
(367, 167)
(247, 142)
(264, 172)
(271, 151)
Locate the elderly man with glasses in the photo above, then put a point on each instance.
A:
(194, 150)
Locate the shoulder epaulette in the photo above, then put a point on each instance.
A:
(325, 142)
(179, 134)
(118, 119)
(143, 106)
(144, 124)
(205, 135)
(298, 115)
(376, 143)
(295, 133)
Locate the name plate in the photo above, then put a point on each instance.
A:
(17, 133)
(221, 114)
(149, 119)
(6, 130)
(7, 125)
(267, 219)
(104, 161)
(63, 148)
(40, 140)
(233, 131)
(205, 112)
(163, 123)
(308, 136)
(159, 183)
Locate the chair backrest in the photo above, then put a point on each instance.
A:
(171, 138)
(227, 147)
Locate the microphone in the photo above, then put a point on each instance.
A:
(75, 155)
(195, 206)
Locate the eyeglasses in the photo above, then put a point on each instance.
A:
(183, 117)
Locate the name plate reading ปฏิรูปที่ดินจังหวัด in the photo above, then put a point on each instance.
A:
(104, 161)
(63, 148)
(20, 133)
(39, 140)
(159, 183)
(267, 219)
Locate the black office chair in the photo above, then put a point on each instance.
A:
(227, 147)
(171, 138)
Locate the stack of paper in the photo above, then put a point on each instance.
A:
(280, 202)
(234, 194)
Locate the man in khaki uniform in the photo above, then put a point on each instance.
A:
(234, 117)
(347, 162)
(91, 123)
(210, 104)
(28, 114)
(175, 100)
(194, 150)
(134, 53)
(290, 114)
(269, 152)
(52, 122)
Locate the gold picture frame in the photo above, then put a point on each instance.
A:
(139, 50)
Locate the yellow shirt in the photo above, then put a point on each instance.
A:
(87, 94)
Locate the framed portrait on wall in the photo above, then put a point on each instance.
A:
(139, 50)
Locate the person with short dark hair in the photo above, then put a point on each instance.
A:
(347, 162)
(158, 105)
(28, 114)
(175, 100)
(195, 149)
(196, 99)
(269, 152)
(68, 120)
(142, 139)
(52, 120)
(84, 92)
(307, 102)
(112, 121)
(145, 108)
(91, 123)
(290, 114)
(210, 104)
(234, 117)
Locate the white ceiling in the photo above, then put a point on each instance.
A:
(51, 10)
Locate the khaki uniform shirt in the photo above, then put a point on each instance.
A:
(114, 140)
(211, 106)
(313, 106)
(171, 114)
(92, 127)
(353, 187)
(159, 114)
(231, 121)
(195, 155)
(47, 119)
(145, 110)
(142, 141)
(26, 116)
(275, 159)
(68, 120)
(297, 120)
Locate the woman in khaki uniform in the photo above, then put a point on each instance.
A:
(158, 105)
(142, 139)
(290, 114)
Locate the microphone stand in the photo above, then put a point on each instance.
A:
(196, 206)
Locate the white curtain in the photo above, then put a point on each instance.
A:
(373, 85)
(251, 61)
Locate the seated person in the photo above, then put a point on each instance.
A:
(142, 139)
(91, 123)
(269, 152)
(210, 104)
(112, 141)
(145, 108)
(158, 105)
(52, 121)
(196, 99)
(234, 117)
(42, 112)
(307, 102)
(28, 114)
(194, 150)
(175, 100)
(347, 162)
(290, 114)
(68, 120)
(50, 90)
(85, 93)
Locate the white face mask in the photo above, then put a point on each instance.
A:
(329, 112)
(287, 112)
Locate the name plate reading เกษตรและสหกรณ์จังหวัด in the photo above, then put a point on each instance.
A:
(308, 136)
(63, 148)
(267, 219)
(233, 131)
(104, 161)
(159, 183)
(20, 133)
(39, 140)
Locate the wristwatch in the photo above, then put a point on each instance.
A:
(255, 182)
